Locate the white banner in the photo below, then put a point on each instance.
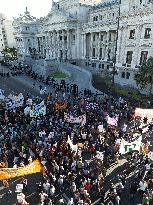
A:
(73, 147)
(38, 110)
(27, 110)
(18, 100)
(29, 101)
(126, 147)
(81, 119)
(144, 113)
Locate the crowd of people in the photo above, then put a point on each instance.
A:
(80, 173)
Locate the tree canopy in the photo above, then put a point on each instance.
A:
(144, 76)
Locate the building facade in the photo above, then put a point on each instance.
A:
(7, 38)
(103, 35)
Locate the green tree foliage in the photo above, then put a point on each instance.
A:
(144, 77)
(9, 53)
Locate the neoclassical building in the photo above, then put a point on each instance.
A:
(103, 35)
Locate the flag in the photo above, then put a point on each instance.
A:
(126, 147)
(10, 173)
(59, 106)
(111, 121)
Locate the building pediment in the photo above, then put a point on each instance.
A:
(26, 18)
(131, 45)
(56, 17)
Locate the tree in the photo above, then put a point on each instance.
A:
(9, 53)
(144, 77)
(5, 52)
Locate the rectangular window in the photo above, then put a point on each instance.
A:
(127, 75)
(143, 57)
(123, 75)
(60, 38)
(94, 52)
(110, 37)
(101, 53)
(132, 33)
(129, 57)
(147, 33)
(102, 66)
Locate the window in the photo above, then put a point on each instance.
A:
(127, 75)
(95, 18)
(86, 64)
(28, 40)
(101, 52)
(113, 15)
(110, 36)
(102, 66)
(102, 37)
(108, 67)
(132, 33)
(123, 75)
(73, 37)
(94, 52)
(65, 38)
(129, 57)
(60, 38)
(147, 33)
(94, 37)
(143, 57)
(99, 65)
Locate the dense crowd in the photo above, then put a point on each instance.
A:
(81, 173)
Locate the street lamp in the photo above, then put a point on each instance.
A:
(114, 63)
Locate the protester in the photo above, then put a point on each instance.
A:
(76, 143)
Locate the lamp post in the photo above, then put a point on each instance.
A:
(118, 24)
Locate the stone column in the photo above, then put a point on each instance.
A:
(98, 47)
(68, 44)
(106, 47)
(57, 44)
(63, 47)
(91, 45)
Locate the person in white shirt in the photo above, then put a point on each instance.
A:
(46, 187)
(43, 197)
(142, 186)
(52, 190)
(70, 202)
(61, 181)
